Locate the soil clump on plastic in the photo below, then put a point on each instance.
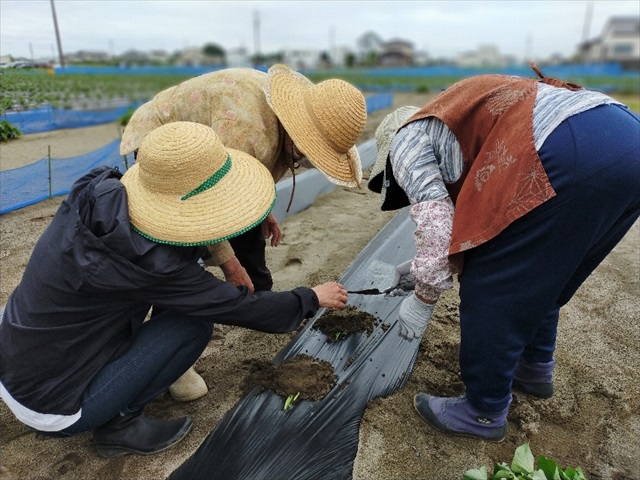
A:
(338, 324)
(307, 377)
(304, 376)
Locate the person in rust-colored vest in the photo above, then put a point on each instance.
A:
(508, 179)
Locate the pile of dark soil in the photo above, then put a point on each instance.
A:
(302, 375)
(338, 324)
(305, 377)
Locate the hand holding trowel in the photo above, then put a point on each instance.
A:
(402, 284)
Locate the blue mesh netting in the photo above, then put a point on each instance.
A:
(378, 102)
(25, 186)
(48, 118)
(31, 184)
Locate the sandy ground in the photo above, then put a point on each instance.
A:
(593, 421)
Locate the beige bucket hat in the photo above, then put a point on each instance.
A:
(324, 121)
(187, 189)
(386, 131)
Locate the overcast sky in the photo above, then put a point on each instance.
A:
(535, 29)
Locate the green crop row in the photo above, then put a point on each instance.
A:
(24, 91)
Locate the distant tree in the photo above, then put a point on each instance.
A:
(350, 60)
(213, 50)
(371, 60)
(325, 59)
(174, 57)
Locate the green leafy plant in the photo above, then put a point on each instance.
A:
(523, 468)
(291, 399)
(8, 131)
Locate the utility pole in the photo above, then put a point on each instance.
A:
(528, 49)
(333, 54)
(586, 28)
(55, 25)
(256, 34)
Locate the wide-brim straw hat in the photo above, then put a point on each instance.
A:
(385, 133)
(324, 121)
(187, 189)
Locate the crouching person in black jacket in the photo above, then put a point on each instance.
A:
(76, 353)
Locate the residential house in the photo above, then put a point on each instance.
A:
(87, 56)
(618, 42)
(158, 57)
(487, 55)
(303, 59)
(193, 56)
(134, 57)
(238, 57)
(396, 53)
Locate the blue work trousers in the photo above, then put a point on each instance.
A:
(164, 348)
(513, 286)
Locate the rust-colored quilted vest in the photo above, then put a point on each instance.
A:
(503, 177)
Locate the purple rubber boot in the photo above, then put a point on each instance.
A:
(534, 378)
(456, 416)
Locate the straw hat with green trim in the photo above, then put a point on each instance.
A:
(187, 189)
(324, 121)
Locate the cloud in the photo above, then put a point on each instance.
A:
(443, 28)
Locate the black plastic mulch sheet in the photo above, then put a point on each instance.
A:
(258, 439)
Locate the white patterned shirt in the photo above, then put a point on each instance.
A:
(425, 156)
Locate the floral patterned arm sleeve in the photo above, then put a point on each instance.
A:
(431, 268)
(424, 155)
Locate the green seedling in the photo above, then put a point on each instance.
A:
(291, 399)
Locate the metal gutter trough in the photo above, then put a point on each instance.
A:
(258, 439)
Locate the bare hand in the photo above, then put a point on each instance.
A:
(236, 274)
(331, 295)
(271, 229)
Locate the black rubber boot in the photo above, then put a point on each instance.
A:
(135, 433)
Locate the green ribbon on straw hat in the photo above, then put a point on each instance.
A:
(211, 181)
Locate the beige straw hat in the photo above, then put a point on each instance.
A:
(386, 131)
(187, 189)
(324, 121)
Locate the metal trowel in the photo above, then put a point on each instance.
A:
(403, 287)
